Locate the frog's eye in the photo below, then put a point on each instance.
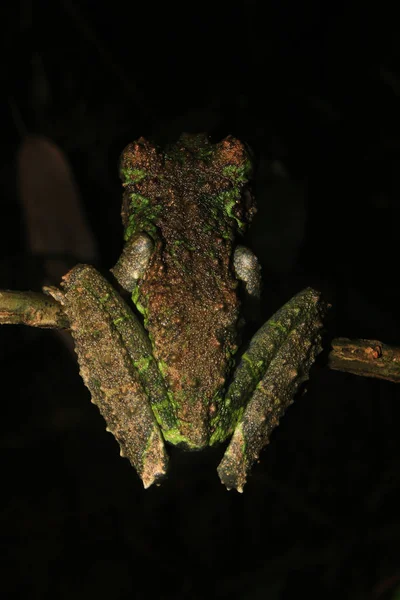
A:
(138, 160)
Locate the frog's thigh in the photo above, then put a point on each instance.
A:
(277, 362)
(133, 262)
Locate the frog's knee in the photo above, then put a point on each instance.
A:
(247, 270)
(133, 262)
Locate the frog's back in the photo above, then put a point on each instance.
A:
(191, 202)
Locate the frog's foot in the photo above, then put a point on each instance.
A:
(277, 361)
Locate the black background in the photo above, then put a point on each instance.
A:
(313, 87)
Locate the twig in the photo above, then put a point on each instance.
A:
(31, 308)
(367, 358)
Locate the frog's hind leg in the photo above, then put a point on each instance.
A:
(116, 365)
(277, 361)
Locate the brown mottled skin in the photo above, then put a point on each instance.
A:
(188, 293)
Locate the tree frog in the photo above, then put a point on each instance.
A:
(171, 374)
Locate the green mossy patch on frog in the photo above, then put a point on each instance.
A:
(278, 325)
(143, 363)
(104, 298)
(119, 320)
(129, 176)
(175, 438)
(142, 216)
(228, 200)
(239, 174)
(256, 368)
(184, 242)
(137, 302)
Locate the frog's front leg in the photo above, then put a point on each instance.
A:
(276, 362)
(117, 366)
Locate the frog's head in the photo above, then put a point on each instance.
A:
(216, 176)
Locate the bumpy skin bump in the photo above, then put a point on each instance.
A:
(277, 361)
(106, 332)
(191, 199)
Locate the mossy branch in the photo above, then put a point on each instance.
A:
(367, 358)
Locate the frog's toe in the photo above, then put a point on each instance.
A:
(155, 461)
(232, 469)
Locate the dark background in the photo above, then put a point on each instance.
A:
(314, 89)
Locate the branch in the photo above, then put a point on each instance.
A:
(31, 308)
(367, 358)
